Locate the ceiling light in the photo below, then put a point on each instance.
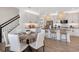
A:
(32, 12)
(53, 14)
(61, 15)
(47, 17)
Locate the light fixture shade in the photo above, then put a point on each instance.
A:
(60, 15)
(47, 17)
(32, 12)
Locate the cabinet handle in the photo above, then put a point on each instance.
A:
(72, 30)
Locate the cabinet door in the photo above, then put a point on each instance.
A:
(75, 32)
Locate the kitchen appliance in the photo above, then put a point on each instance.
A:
(63, 21)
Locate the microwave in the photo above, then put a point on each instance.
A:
(63, 21)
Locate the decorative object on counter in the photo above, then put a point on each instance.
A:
(28, 32)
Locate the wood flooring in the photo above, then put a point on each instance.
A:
(60, 46)
(52, 45)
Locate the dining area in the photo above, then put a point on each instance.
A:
(31, 37)
(22, 38)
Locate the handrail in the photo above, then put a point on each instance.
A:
(9, 21)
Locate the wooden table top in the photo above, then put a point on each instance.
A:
(31, 36)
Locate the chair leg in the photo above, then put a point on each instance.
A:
(35, 50)
(43, 48)
(5, 49)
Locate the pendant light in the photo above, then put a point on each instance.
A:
(60, 15)
(47, 18)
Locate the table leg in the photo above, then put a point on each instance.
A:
(27, 41)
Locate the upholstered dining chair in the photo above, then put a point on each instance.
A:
(5, 39)
(39, 41)
(15, 44)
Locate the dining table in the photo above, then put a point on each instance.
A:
(27, 37)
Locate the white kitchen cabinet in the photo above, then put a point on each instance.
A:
(48, 34)
(74, 32)
(65, 37)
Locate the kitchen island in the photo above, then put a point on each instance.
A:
(62, 34)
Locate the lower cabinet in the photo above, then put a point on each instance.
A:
(74, 32)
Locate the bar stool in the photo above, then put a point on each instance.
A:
(47, 33)
(63, 35)
(53, 34)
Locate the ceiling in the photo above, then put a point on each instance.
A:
(48, 10)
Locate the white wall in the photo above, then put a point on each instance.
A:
(6, 13)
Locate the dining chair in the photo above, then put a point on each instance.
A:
(53, 34)
(39, 41)
(5, 39)
(15, 44)
(48, 33)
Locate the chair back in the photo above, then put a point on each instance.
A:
(5, 38)
(40, 39)
(14, 42)
(33, 29)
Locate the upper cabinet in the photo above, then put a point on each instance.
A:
(72, 17)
